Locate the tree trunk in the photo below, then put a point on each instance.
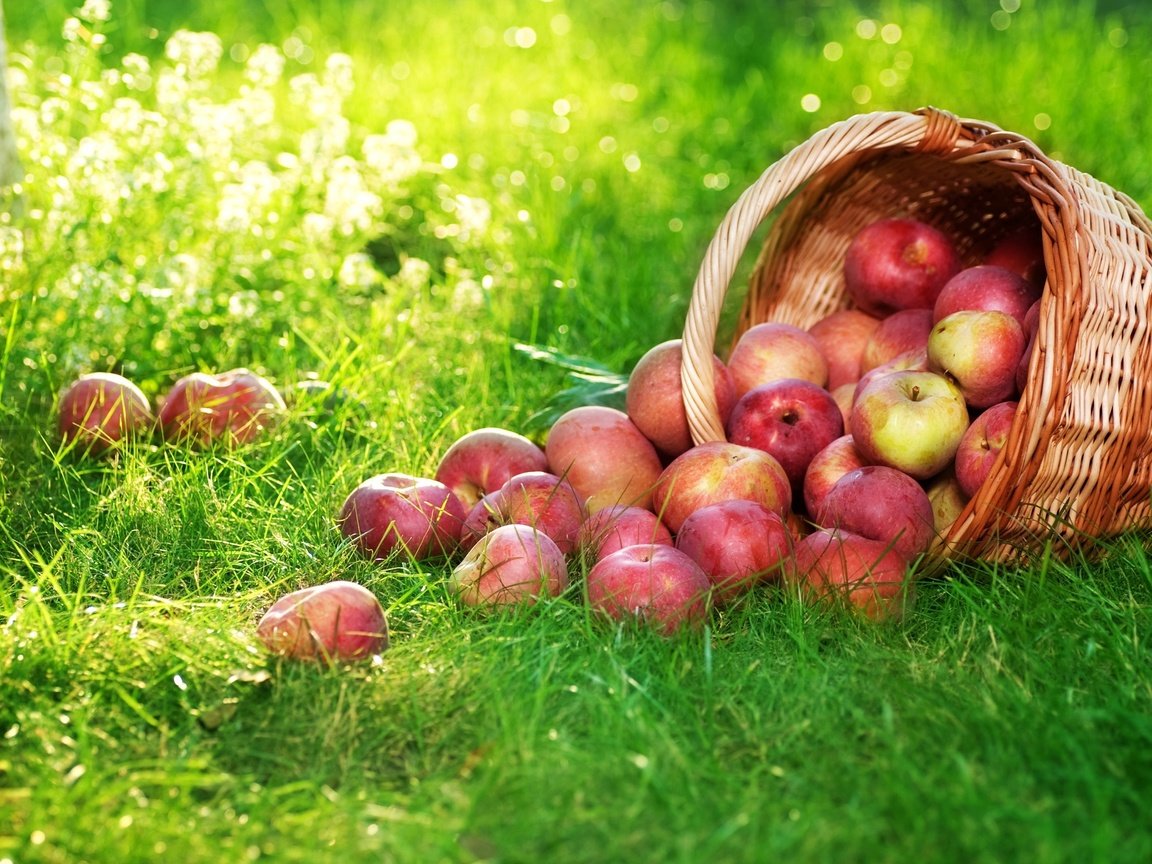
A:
(11, 172)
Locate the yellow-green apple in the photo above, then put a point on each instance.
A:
(986, 287)
(772, 350)
(903, 332)
(612, 528)
(738, 544)
(654, 398)
(604, 455)
(399, 513)
(101, 410)
(981, 444)
(1021, 251)
(981, 352)
(831, 565)
(332, 622)
(233, 407)
(539, 499)
(880, 503)
(790, 419)
(511, 564)
(655, 585)
(481, 461)
(909, 420)
(896, 264)
(835, 460)
(719, 471)
(948, 500)
(841, 336)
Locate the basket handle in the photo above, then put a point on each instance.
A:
(928, 130)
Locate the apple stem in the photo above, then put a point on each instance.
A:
(915, 392)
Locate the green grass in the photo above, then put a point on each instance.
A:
(1007, 718)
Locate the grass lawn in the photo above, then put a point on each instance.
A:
(392, 197)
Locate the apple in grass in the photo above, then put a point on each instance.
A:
(981, 352)
(772, 350)
(604, 455)
(396, 513)
(719, 471)
(738, 544)
(903, 332)
(612, 528)
(841, 337)
(539, 499)
(233, 407)
(654, 398)
(654, 585)
(482, 460)
(986, 287)
(337, 621)
(836, 566)
(880, 503)
(790, 419)
(912, 421)
(981, 444)
(100, 411)
(896, 264)
(835, 460)
(510, 564)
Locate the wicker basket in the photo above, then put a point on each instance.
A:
(1078, 462)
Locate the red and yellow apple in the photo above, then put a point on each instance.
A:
(336, 621)
(772, 350)
(510, 564)
(100, 411)
(654, 585)
(233, 407)
(482, 460)
(399, 513)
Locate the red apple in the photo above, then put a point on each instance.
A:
(835, 460)
(481, 461)
(880, 503)
(332, 622)
(1021, 251)
(901, 333)
(896, 264)
(837, 566)
(909, 420)
(604, 455)
(841, 336)
(791, 419)
(657, 585)
(612, 528)
(654, 399)
(396, 512)
(989, 288)
(843, 396)
(1031, 326)
(101, 410)
(981, 352)
(981, 445)
(538, 499)
(773, 350)
(510, 564)
(234, 407)
(738, 544)
(719, 471)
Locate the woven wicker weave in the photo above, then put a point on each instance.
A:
(1078, 462)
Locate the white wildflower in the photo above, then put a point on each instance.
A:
(265, 66)
(349, 205)
(473, 214)
(338, 74)
(317, 228)
(358, 271)
(95, 10)
(415, 274)
(196, 53)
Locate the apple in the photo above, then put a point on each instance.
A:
(773, 350)
(833, 565)
(981, 352)
(612, 528)
(880, 503)
(331, 622)
(604, 455)
(1021, 251)
(539, 499)
(912, 361)
(510, 564)
(841, 337)
(789, 418)
(482, 460)
(738, 544)
(835, 460)
(903, 332)
(101, 410)
(896, 264)
(981, 444)
(986, 287)
(843, 396)
(654, 398)
(909, 420)
(656, 585)
(233, 407)
(397, 512)
(719, 471)
(948, 500)
(1031, 326)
